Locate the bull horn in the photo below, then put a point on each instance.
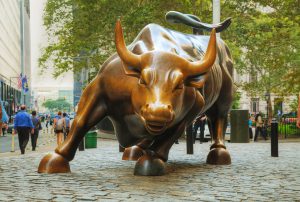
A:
(128, 57)
(199, 67)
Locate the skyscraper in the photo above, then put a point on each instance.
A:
(14, 51)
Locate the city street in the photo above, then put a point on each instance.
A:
(228, 68)
(5, 143)
(45, 141)
(100, 174)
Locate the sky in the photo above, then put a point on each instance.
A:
(39, 40)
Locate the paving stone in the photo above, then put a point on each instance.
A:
(100, 175)
(179, 193)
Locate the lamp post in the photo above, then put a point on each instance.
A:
(267, 96)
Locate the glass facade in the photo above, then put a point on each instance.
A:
(11, 98)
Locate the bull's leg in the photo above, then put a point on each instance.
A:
(135, 152)
(218, 154)
(91, 110)
(152, 163)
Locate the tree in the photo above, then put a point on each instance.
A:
(263, 38)
(80, 29)
(236, 100)
(59, 104)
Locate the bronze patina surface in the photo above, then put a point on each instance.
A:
(152, 90)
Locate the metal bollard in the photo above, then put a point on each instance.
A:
(81, 145)
(12, 141)
(274, 138)
(189, 140)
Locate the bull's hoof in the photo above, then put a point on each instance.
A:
(218, 156)
(132, 153)
(54, 163)
(149, 166)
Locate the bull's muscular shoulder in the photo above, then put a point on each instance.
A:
(155, 37)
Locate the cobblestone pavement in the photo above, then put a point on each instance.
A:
(100, 175)
(45, 141)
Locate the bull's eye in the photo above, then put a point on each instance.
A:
(142, 81)
(179, 86)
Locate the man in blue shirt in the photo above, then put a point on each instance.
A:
(23, 125)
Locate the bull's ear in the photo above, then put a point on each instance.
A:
(131, 71)
(196, 81)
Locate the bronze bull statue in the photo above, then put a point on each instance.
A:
(152, 91)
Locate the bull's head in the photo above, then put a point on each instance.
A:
(166, 80)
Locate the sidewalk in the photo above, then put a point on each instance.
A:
(46, 142)
(100, 175)
(6, 143)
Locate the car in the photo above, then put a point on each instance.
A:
(207, 136)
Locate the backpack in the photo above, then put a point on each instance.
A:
(59, 124)
(36, 123)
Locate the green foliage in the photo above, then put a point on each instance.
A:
(263, 38)
(236, 100)
(57, 105)
(267, 34)
(294, 104)
(288, 129)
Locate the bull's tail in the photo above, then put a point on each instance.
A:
(194, 22)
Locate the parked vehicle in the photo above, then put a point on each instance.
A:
(207, 136)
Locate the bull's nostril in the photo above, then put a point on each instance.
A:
(169, 107)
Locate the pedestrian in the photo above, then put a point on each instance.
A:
(59, 125)
(259, 127)
(199, 123)
(47, 120)
(298, 112)
(3, 119)
(23, 125)
(37, 126)
(67, 121)
(250, 122)
(1, 123)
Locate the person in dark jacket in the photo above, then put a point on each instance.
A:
(199, 123)
(37, 125)
(23, 125)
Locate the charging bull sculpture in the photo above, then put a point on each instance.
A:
(152, 90)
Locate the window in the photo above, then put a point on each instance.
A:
(253, 77)
(254, 105)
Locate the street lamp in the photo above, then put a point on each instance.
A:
(267, 96)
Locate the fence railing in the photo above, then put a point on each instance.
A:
(287, 127)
